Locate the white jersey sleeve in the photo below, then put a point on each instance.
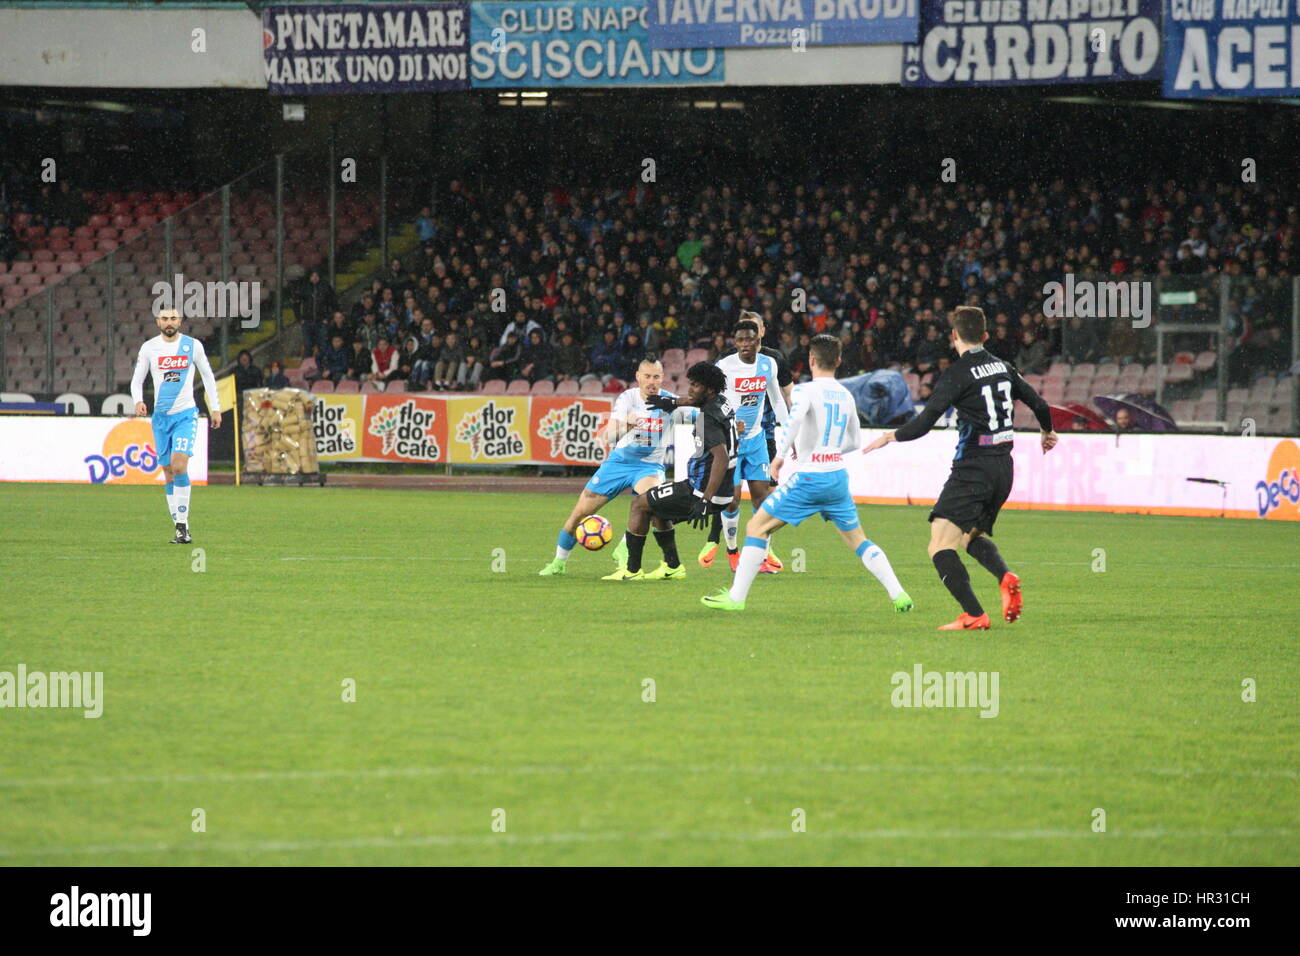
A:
(138, 376)
(209, 380)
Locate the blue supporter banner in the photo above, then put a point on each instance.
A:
(785, 23)
(366, 48)
(1030, 42)
(578, 43)
(1232, 48)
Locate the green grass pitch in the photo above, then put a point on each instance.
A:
(479, 690)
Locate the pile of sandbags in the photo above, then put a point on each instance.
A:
(277, 431)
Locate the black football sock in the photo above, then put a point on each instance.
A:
(955, 578)
(715, 529)
(635, 545)
(986, 553)
(667, 541)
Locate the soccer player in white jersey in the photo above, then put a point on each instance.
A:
(752, 384)
(640, 435)
(823, 428)
(171, 359)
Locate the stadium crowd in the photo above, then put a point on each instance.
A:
(592, 278)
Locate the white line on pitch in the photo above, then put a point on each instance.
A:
(255, 776)
(713, 836)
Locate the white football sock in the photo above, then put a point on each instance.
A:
(874, 560)
(171, 502)
(182, 499)
(751, 559)
(731, 527)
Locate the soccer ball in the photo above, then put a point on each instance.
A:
(594, 532)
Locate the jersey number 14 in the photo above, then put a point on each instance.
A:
(1008, 406)
(836, 417)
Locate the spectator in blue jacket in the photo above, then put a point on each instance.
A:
(607, 356)
(334, 360)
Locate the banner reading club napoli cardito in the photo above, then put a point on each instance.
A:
(1028, 42)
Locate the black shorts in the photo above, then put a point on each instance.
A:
(672, 500)
(975, 492)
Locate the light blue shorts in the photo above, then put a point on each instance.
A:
(614, 476)
(807, 493)
(752, 461)
(175, 433)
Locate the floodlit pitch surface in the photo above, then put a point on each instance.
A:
(479, 690)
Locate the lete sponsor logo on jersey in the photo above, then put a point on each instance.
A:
(169, 362)
(756, 384)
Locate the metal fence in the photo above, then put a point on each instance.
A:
(75, 309)
(1218, 353)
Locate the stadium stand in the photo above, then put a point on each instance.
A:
(669, 273)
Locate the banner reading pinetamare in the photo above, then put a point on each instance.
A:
(1028, 42)
(1232, 48)
(366, 48)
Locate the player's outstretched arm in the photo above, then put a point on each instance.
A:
(943, 398)
(881, 441)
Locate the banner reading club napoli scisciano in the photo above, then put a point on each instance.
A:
(1028, 42)
(1232, 48)
(366, 47)
(578, 43)
(785, 23)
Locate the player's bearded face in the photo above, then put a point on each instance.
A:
(170, 323)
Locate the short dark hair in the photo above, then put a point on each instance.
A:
(969, 322)
(708, 375)
(825, 349)
(746, 326)
(650, 358)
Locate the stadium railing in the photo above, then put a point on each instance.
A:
(1185, 355)
(76, 324)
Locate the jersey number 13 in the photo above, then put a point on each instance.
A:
(1008, 406)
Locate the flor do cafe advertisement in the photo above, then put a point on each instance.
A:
(468, 430)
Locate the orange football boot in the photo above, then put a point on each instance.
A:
(967, 622)
(1012, 602)
(734, 558)
(769, 566)
(707, 554)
